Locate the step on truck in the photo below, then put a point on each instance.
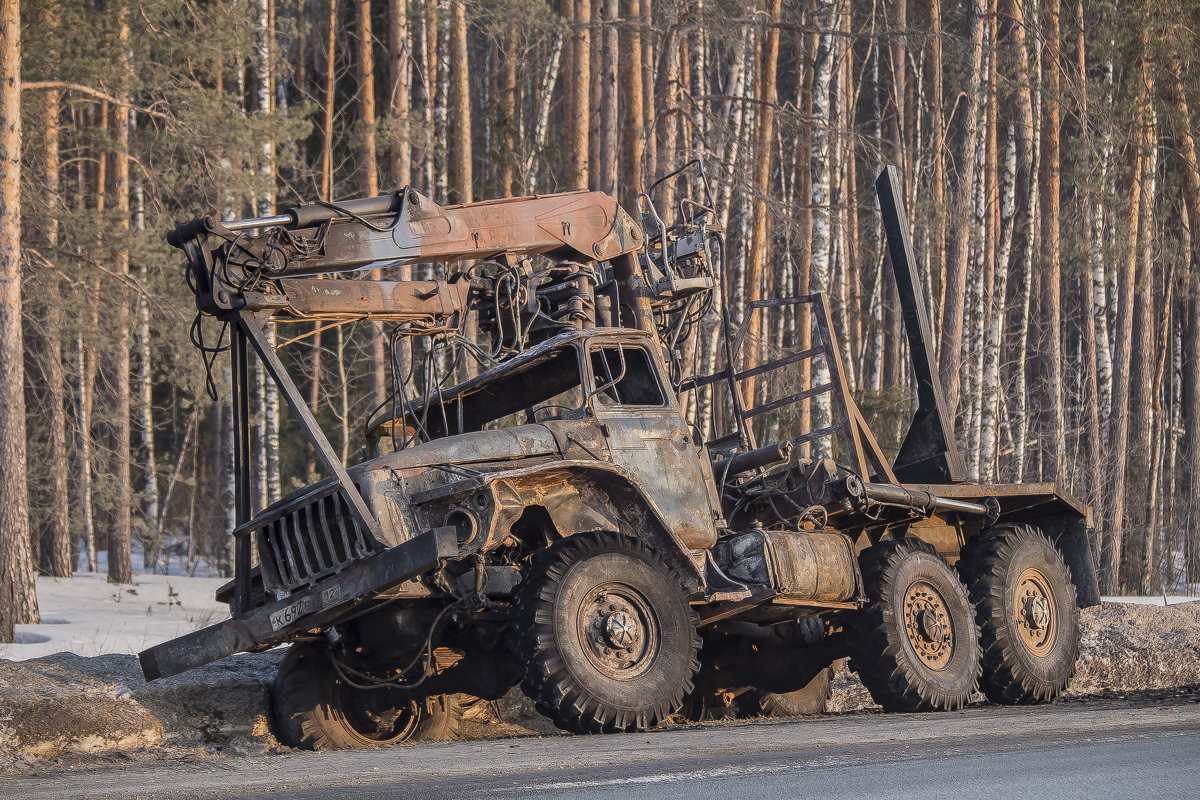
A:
(563, 490)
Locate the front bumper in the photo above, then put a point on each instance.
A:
(312, 608)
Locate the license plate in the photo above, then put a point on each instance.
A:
(289, 614)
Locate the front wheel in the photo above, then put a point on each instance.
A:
(313, 708)
(914, 645)
(606, 634)
(1028, 618)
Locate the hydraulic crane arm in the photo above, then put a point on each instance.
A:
(253, 264)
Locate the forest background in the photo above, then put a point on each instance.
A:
(1047, 153)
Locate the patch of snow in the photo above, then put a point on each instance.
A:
(1160, 600)
(89, 616)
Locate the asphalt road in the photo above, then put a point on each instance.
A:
(1099, 749)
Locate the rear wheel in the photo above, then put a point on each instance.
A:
(606, 634)
(1028, 618)
(914, 645)
(313, 708)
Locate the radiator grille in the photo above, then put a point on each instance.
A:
(303, 545)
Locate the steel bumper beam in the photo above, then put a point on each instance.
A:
(309, 609)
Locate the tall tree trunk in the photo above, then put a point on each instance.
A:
(760, 244)
(1094, 445)
(86, 371)
(327, 107)
(461, 79)
(1113, 536)
(1049, 388)
(1191, 349)
(580, 87)
(633, 116)
(508, 113)
(822, 175)
(667, 117)
(400, 72)
(609, 125)
(18, 601)
(120, 569)
(1138, 450)
(151, 543)
(55, 544)
(376, 346)
(950, 350)
(937, 181)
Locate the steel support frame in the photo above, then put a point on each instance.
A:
(246, 329)
(929, 453)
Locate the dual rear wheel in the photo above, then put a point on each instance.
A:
(926, 642)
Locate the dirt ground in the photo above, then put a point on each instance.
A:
(64, 708)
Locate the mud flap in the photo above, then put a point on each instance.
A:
(1072, 541)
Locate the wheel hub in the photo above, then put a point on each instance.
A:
(1033, 606)
(621, 629)
(618, 631)
(927, 623)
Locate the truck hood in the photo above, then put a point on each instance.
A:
(522, 441)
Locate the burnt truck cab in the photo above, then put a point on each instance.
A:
(580, 433)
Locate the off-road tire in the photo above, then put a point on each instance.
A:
(1025, 659)
(561, 629)
(308, 709)
(914, 596)
(812, 699)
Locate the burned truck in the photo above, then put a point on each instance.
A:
(557, 495)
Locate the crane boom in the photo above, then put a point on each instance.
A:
(255, 263)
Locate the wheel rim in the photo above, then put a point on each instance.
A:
(618, 630)
(371, 715)
(928, 625)
(1033, 609)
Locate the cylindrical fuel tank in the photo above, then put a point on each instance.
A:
(807, 565)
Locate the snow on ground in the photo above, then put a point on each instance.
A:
(1160, 600)
(89, 616)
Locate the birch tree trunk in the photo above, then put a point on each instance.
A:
(152, 543)
(1113, 535)
(821, 172)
